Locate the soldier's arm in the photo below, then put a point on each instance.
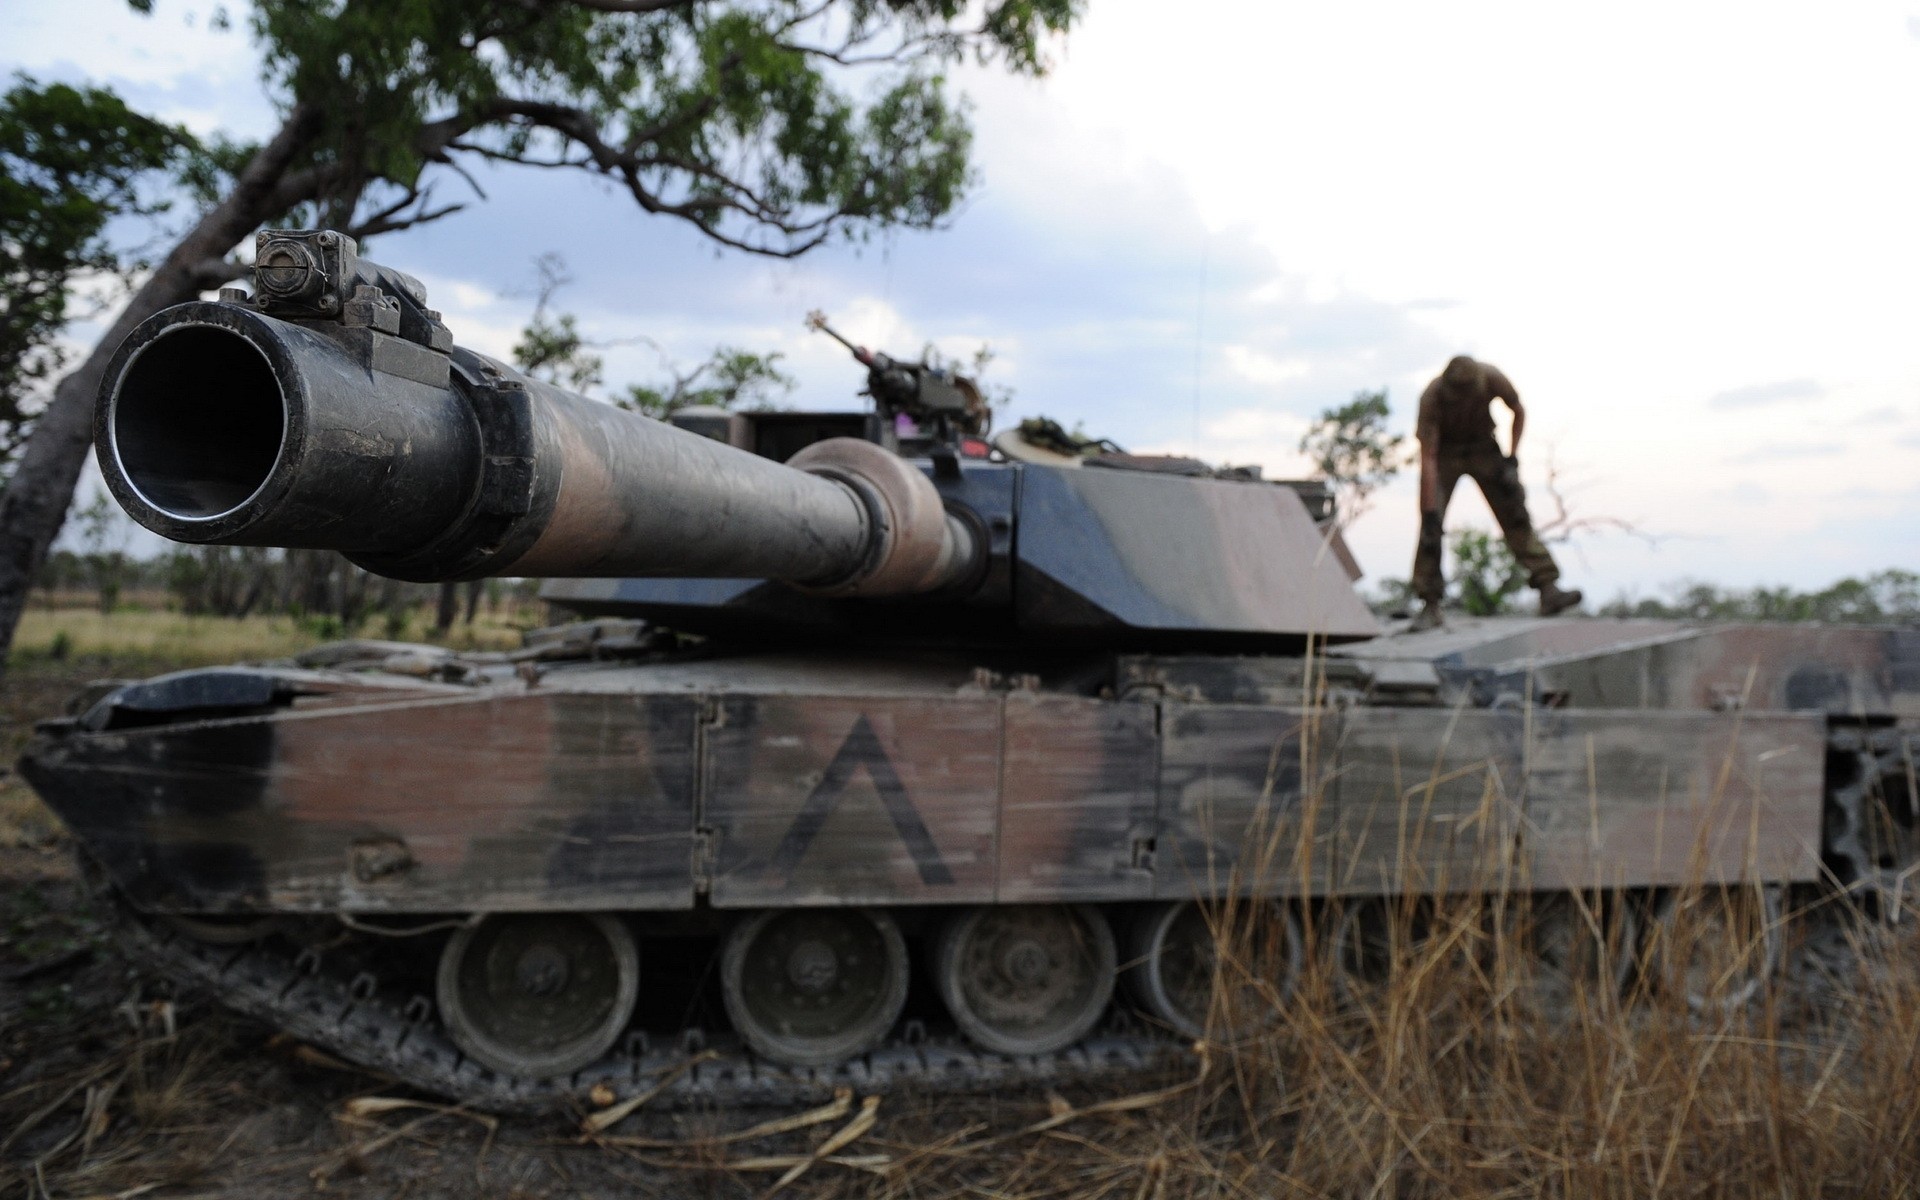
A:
(1427, 429)
(1504, 391)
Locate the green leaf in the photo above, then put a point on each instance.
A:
(72, 162)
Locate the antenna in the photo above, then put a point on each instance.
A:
(1199, 342)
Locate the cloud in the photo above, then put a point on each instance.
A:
(1785, 451)
(1096, 312)
(1759, 394)
(1257, 366)
(1263, 436)
(1885, 415)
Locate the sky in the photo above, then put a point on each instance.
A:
(1688, 233)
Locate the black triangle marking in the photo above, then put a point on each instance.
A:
(862, 749)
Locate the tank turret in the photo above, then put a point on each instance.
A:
(331, 410)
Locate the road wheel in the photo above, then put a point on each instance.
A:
(1173, 965)
(538, 994)
(1580, 945)
(813, 986)
(1718, 945)
(1026, 978)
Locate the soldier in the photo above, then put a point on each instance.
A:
(1456, 438)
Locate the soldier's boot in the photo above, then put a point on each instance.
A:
(1427, 618)
(1556, 599)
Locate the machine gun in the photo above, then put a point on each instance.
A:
(941, 404)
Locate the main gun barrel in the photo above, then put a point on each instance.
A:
(221, 424)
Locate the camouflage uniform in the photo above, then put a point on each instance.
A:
(1461, 419)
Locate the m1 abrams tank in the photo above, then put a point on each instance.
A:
(907, 749)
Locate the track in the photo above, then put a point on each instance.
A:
(360, 1021)
(1871, 841)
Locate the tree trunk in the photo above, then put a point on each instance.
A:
(35, 503)
(354, 586)
(449, 608)
(310, 590)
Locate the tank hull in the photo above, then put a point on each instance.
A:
(243, 815)
(782, 780)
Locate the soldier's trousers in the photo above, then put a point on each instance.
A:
(1500, 483)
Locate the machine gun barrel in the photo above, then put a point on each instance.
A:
(817, 320)
(221, 424)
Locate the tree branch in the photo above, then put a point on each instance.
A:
(376, 225)
(631, 6)
(579, 127)
(910, 48)
(211, 273)
(303, 186)
(1563, 525)
(803, 17)
(545, 164)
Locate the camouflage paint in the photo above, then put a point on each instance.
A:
(594, 796)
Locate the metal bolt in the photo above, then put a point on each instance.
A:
(813, 966)
(541, 971)
(1025, 963)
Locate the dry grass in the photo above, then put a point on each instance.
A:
(140, 635)
(136, 636)
(1451, 1074)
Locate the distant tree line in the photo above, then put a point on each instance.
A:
(1889, 596)
(1482, 585)
(336, 598)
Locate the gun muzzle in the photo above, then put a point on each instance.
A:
(221, 425)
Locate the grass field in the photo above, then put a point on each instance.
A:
(129, 637)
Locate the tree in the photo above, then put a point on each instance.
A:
(103, 530)
(1486, 576)
(735, 116)
(552, 348)
(72, 161)
(1351, 449)
(731, 378)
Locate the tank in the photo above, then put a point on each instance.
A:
(885, 754)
